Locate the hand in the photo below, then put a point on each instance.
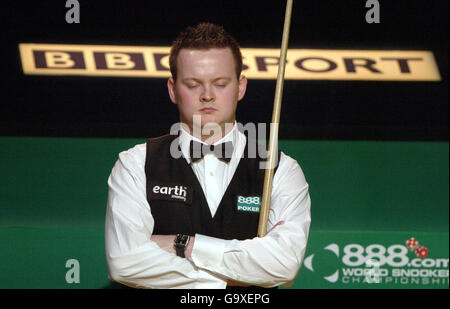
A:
(236, 283)
(273, 227)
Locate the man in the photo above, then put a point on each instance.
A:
(176, 219)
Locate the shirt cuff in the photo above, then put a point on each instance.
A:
(208, 252)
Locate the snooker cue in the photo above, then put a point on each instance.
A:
(273, 137)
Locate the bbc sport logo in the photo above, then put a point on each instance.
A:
(397, 265)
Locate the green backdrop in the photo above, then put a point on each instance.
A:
(368, 198)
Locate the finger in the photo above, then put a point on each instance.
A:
(278, 223)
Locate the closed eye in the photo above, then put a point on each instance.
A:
(192, 86)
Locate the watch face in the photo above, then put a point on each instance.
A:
(181, 239)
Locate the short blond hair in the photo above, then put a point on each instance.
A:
(205, 36)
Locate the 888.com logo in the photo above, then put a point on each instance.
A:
(378, 264)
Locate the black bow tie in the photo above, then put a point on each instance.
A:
(222, 151)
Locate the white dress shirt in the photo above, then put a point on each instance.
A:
(273, 260)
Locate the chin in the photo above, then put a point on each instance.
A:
(209, 120)
(210, 125)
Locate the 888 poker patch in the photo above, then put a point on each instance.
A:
(250, 204)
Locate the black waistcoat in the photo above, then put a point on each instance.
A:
(178, 204)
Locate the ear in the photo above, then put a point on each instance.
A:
(242, 86)
(171, 89)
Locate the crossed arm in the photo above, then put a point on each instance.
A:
(165, 242)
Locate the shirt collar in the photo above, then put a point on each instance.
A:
(186, 137)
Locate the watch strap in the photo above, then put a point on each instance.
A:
(180, 251)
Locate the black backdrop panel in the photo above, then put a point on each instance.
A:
(140, 107)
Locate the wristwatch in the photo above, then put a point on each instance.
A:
(180, 243)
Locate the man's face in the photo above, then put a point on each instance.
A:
(207, 86)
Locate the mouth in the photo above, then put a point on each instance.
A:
(208, 110)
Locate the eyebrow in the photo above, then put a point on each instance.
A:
(198, 80)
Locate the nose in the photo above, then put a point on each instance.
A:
(207, 95)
